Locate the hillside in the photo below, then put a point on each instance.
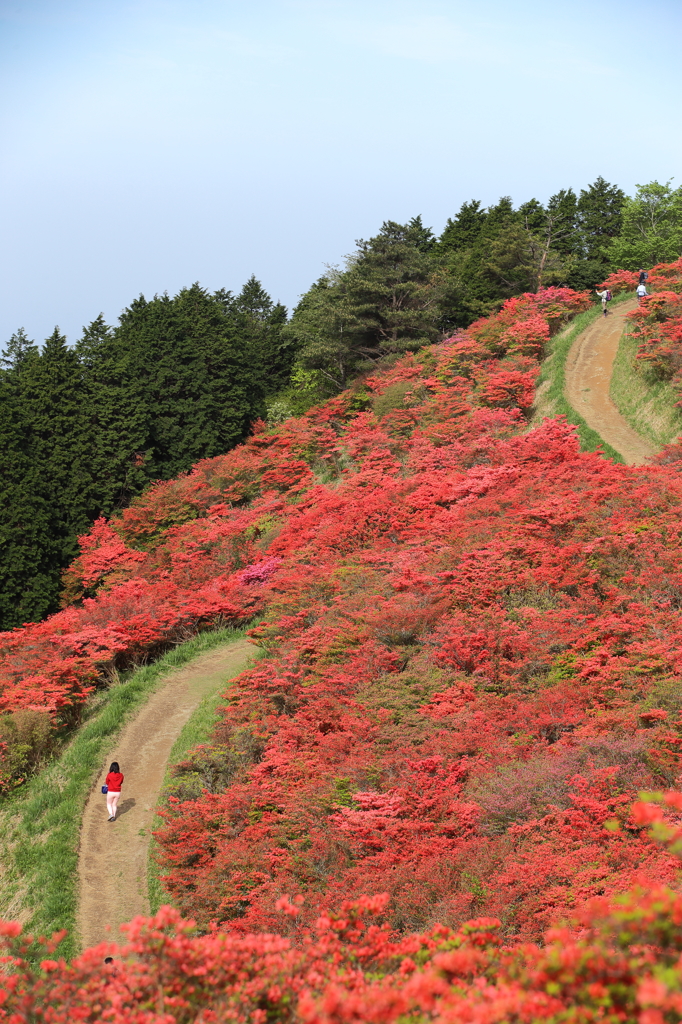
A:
(472, 667)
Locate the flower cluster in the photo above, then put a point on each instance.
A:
(615, 961)
(657, 325)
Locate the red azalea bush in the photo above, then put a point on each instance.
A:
(614, 961)
(448, 602)
(554, 306)
(657, 324)
(666, 277)
(620, 281)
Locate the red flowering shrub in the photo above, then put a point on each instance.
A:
(666, 277)
(528, 337)
(620, 281)
(613, 961)
(658, 324)
(474, 646)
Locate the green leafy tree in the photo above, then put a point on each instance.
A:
(651, 228)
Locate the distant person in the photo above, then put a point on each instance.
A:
(605, 297)
(641, 290)
(114, 781)
(111, 964)
(643, 276)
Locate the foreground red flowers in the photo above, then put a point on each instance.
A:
(614, 962)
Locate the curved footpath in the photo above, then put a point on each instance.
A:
(588, 379)
(112, 860)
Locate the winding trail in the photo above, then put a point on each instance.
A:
(588, 378)
(112, 859)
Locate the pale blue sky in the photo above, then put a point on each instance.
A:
(151, 143)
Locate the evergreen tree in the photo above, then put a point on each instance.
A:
(198, 388)
(19, 349)
(562, 223)
(462, 232)
(599, 219)
(60, 442)
(117, 417)
(27, 549)
(471, 289)
(259, 323)
(385, 302)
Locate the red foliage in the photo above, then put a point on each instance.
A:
(449, 603)
(620, 281)
(658, 324)
(614, 961)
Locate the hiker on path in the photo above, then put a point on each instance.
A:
(113, 784)
(641, 291)
(605, 297)
(643, 276)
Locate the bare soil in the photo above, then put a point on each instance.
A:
(589, 367)
(112, 862)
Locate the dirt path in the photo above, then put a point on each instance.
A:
(112, 861)
(588, 379)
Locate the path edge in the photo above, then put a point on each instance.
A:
(40, 824)
(550, 396)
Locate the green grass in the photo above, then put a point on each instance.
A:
(646, 403)
(198, 729)
(551, 400)
(40, 823)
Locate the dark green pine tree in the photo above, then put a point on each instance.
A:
(472, 289)
(259, 322)
(532, 215)
(600, 219)
(27, 547)
(462, 232)
(61, 439)
(199, 391)
(391, 291)
(117, 417)
(19, 349)
(562, 215)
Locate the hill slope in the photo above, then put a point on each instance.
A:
(472, 638)
(473, 644)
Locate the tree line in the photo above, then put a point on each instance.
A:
(405, 287)
(84, 429)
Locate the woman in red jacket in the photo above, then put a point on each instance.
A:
(114, 781)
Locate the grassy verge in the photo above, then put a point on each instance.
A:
(551, 400)
(647, 404)
(40, 823)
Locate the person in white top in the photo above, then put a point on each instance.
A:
(604, 296)
(641, 291)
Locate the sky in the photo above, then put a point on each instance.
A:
(148, 144)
